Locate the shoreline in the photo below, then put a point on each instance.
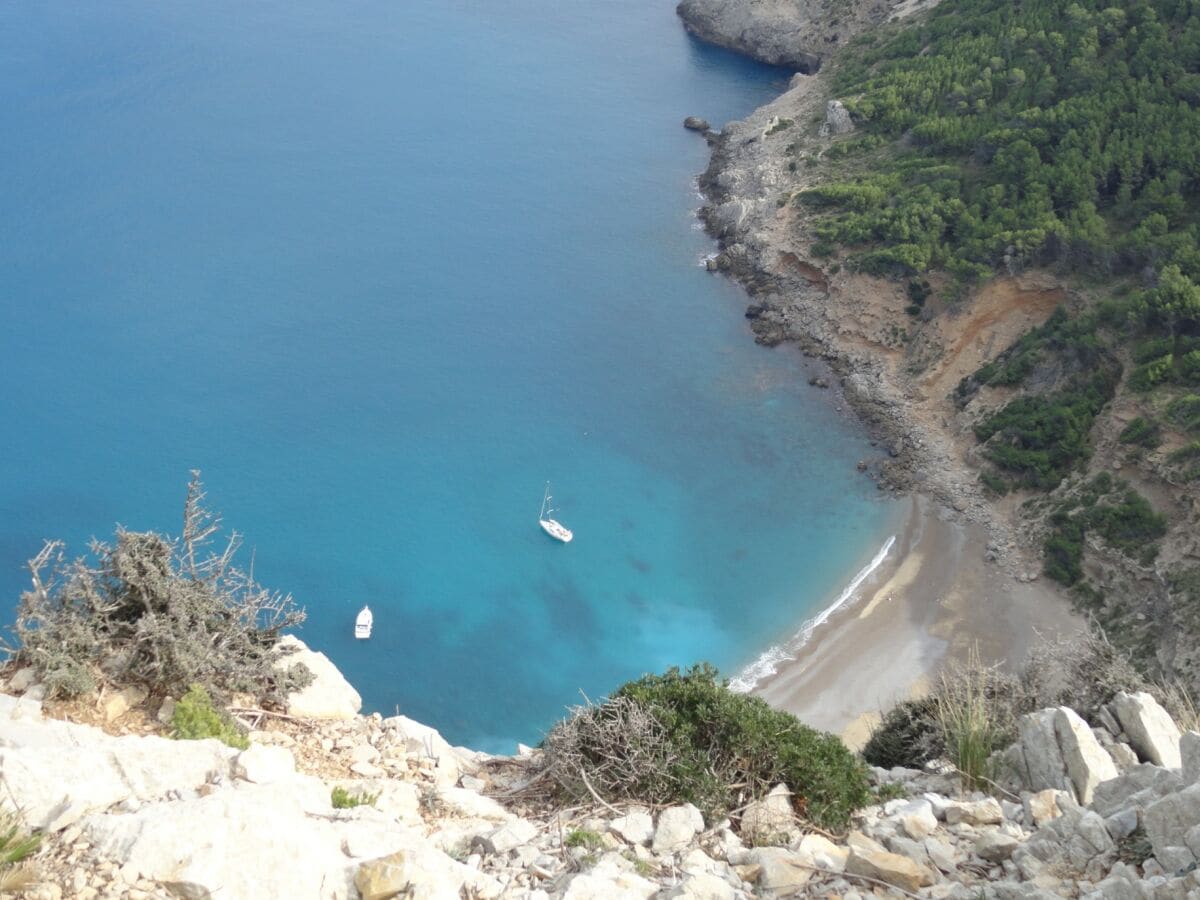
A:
(960, 575)
(934, 599)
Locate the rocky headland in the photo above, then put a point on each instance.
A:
(798, 34)
(1085, 810)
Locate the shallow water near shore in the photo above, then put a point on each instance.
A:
(381, 271)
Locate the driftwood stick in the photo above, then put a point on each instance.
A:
(252, 710)
(591, 790)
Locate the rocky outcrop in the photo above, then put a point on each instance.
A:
(141, 816)
(797, 34)
(330, 696)
(1151, 731)
(837, 119)
(777, 32)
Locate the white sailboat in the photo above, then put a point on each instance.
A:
(555, 529)
(363, 623)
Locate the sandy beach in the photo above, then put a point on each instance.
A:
(932, 599)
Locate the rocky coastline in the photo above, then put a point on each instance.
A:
(898, 360)
(884, 364)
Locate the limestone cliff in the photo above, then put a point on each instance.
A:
(796, 34)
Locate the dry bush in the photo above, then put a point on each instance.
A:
(609, 746)
(1083, 671)
(159, 612)
(685, 737)
(976, 709)
(16, 846)
(1180, 703)
(972, 706)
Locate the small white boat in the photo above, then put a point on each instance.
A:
(364, 623)
(555, 529)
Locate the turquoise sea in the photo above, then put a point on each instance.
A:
(380, 270)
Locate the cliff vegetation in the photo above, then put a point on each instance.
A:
(991, 139)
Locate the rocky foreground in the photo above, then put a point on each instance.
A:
(1109, 812)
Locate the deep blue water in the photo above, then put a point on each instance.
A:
(380, 269)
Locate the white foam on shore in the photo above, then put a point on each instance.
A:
(768, 663)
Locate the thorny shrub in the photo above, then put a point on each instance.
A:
(165, 613)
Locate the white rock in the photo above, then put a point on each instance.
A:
(22, 679)
(677, 825)
(980, 812)
(995, 846)
(1044, 762)
(330, 696)
(367, 770)
(1121, 825)
(421, 873)
(1173, 859)
(892, 868)
(821, 851)
(35, 692)
(941, 854)
(781, 873)
(635, 827)
(265, 765)
(1167, 821)
(837, 119)
(1191, 840)
(364, 753)
(1189, 751)
(472, 805)
(1087, 763)
(770, 820)
(701, 886)
(399, 800)
(425, 742)
(1123, 755)
(508, 836)
(1137, 787)
(257, 841)
(607, 881)
(1152, 732)
(13, 709)
(916, 819)
(57, 772)
(166, 711)
(856, 840)
(116, 704)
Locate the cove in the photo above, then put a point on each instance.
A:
(381, 271)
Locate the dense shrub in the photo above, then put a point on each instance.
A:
(1034, 132)
(160, 612)
(1143, 432)
(1185, 412)
(1041, 438)
(906, 736)
(685, 737)
(195, 718)
(1106, 507)
(1062, 552)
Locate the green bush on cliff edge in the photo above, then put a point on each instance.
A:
(686, 737)
(195, 718)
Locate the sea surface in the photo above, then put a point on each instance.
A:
(381, 270)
